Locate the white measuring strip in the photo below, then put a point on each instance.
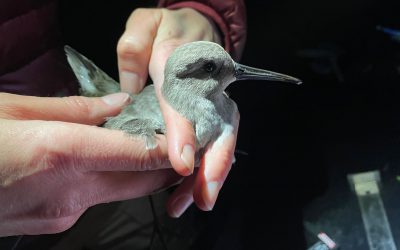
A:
(376, 224)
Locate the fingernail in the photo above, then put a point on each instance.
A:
(132, 81)
(213, 188)
(180, 205)
(116, 99)
(187, 157)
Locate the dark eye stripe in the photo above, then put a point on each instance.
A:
(209, 67)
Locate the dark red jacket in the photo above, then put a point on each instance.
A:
(32, 61)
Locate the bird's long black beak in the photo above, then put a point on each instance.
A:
(243, 72)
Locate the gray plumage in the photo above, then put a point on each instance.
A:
(196, 75)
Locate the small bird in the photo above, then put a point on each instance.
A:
(195, 78)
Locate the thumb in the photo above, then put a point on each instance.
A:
(76, 109)
(181, 136)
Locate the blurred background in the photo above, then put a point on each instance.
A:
(300, 142)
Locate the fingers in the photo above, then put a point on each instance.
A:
(180, 134)
(182, 198)
(72, 149)
(97, 149)
(55, 209)
(180, 140)
(215, 166)
(135, 47)
(206, 184)
(176, 28)
(76, 109)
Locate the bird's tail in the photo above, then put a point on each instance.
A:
(93, 81)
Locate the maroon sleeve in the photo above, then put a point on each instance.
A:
(228, 15)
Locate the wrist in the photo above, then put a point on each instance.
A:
(216, 21)
(229, 16)
(212, 27)
(217, 34)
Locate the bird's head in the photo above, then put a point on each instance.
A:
(205, 69)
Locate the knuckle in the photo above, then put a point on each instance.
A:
(129, 47)
(169, 45)
(80, 105)
(50, 226)
(13, 111)
(51, 158)
(46, 154)
(146, 161)
(9, 112)
(61, 225)
(151, 160)
(52, 210)
(66, 204)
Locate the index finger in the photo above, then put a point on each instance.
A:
(101, 149)
(73, 147)
(135, 47)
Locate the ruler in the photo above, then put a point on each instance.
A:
(366, 186)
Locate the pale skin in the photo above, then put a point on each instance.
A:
(55, 163)
(150, 37)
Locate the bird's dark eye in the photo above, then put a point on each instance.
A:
(209, 67)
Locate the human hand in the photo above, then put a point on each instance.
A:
(150, 37)
(52, 168)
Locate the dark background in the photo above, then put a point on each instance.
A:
(343, 119)
(300, 140)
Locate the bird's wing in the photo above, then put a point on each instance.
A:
(93, 81)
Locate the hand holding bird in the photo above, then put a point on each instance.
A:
(196, 75)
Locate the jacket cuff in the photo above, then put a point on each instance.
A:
(229, 17)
